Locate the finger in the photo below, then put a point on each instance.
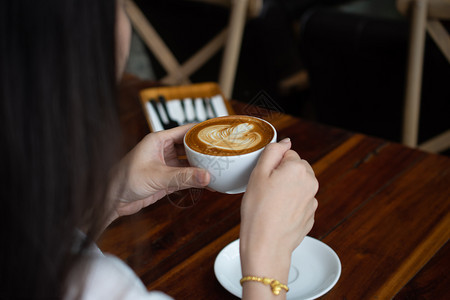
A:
(292, 156)
(177, 133)
(286, 160)
(311, 207)
(272, 155)
(308, 167)
(183, 178)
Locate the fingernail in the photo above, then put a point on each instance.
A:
(201, 177)
(285, 140)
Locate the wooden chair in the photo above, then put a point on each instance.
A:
(425, 16)
(229, 37)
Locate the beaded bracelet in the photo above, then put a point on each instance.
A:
(274, 284)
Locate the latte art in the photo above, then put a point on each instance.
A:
(231, 135)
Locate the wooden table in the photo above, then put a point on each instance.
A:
(384, 208)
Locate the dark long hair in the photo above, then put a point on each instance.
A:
(59, 125)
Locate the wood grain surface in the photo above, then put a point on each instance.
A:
(384, 208)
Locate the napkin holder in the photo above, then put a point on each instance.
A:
(173, 93)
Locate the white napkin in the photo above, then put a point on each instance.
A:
(192, 108)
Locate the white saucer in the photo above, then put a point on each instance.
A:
(315, 269)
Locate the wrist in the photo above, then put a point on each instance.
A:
(275, 285)
(262, 262)
(258, 270)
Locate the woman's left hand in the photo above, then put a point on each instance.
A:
(152, 170)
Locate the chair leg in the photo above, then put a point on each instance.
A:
(200, 57)
(233, 46)
(154, 42)
(411, 110)
(437, 144)
(440, 36)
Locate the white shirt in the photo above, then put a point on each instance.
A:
(103, 276)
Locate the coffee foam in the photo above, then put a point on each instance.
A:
(231, 135)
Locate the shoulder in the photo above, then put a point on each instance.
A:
(107, 277)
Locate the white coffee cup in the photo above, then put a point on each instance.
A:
(229, 173)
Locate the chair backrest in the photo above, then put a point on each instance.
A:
(229, 37)
(425, 16)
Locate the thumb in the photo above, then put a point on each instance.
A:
(188, 177)
(273, 155)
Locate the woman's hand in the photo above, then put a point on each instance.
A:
(152, 170)
(277, 212)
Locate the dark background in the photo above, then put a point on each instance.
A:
(354, 52)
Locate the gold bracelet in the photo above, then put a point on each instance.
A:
(274, 284)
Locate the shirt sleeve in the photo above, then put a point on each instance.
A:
(107, 277)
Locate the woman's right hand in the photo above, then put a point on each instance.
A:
(276, 214)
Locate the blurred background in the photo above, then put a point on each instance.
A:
(341, 63)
